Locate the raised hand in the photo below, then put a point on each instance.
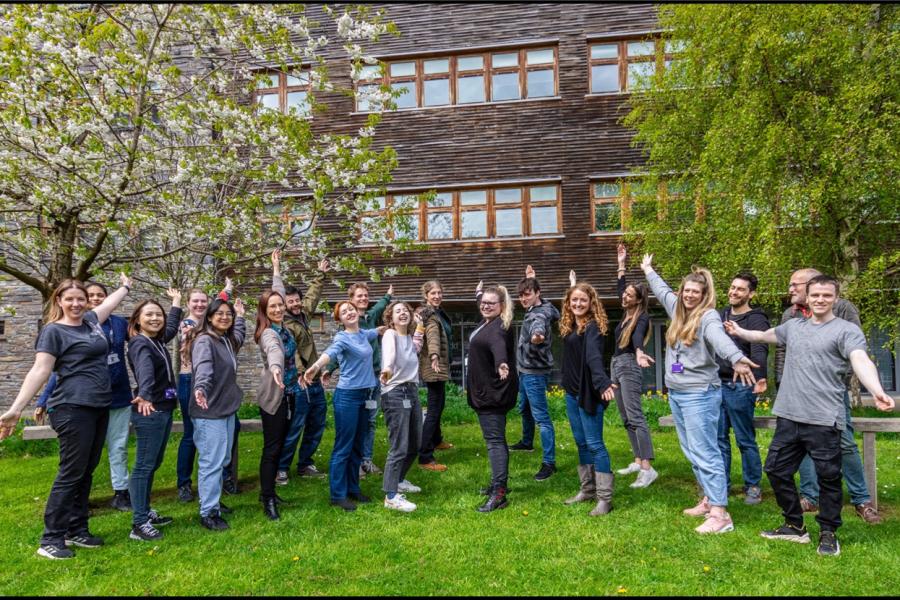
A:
(390, 291)
(229, 285)
(479, 287)
(647, 263)
(324, 265)
(572, 279)
(529, 271)
(621, 255)
(124, 280)
(276, 259)
(175, 295)
(239, 307)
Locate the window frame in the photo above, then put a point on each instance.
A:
(282, 89)
(623, 60)
(287, 217)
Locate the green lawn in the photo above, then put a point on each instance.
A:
(536, 546)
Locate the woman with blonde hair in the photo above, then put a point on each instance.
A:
(694, 337)
(588, 392)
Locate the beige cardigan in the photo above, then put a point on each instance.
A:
(268, 394)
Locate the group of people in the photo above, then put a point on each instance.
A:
(715, 367)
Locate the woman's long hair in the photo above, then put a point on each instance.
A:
(643, 298)
(134, 321)
(506, 312)
(388, 317)
(685, 324)
(262, 319)
(207, 328)
(596, 312)
(54, 310)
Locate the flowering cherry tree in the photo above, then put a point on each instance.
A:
(132, 137)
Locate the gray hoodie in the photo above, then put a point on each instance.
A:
(536, 359)
(699, 359)
(214, 367)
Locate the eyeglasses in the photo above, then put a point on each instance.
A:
(489, 304)
(223, 315)
(796, 285)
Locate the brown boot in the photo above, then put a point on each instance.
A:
(588, 490)
(868, 513)
(604, 483)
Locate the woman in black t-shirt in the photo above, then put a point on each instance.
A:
(73, 345)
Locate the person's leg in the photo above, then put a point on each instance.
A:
(359, 440)
(851, 462)
(592, 426)
(315, 425)
(741, 406)
(186, 449)
(228, 472)
(616, 369)
(98, 421)
(536, 391)
(524, 408)
(345, 419)
(676, 400)
(144, 457)
(295, 429)
(274, 427)
(396, 419)
(211, 440)
(431, 428)
(574, 413)
(414, 431)
(823, 445)
(166, 431)
(724, 430)
(630, 386)
(493, 429)
(809, 486)
(117, 447)
(700, 414)
(786, 451)
(372, 417)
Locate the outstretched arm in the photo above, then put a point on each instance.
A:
(868, 376)
(112, 301)
(758, 337)
(40, 371)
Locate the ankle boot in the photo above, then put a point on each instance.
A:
(604, 483)
(588, 490)
(497, 500)
(270, 509)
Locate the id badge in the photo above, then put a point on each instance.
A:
(407, 404)
(371, 404)
(112, 358)
(677, 367)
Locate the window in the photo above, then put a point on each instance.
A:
(608, 200)
(317, 323)
(625, 65)
(288, 219)
(615, 203)
(285, 93)
(495, 76)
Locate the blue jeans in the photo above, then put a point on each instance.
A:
(738, 404)
(351, 421)
(851, 466)
(186, 449)
(369, 445)
(152, 432)
(308, 420)
(588, 433)
(534, 408)
(117, 446)
(696, 417)
(214, 439)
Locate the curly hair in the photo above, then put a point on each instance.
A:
(595, 312)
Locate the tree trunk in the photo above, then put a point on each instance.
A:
(846, 272)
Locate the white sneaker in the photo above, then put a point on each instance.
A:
(632, 467)
(399, 503)
(408, 488)
(645, 478)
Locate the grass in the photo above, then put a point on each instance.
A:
(536, 546)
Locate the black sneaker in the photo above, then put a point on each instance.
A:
(310, 471)
(185, 494)
(214, 522)
(230, 486)
(360, 497)
(545, 472)
(121, 500)
(146, 532)
(522, 447)
(344, 503)
(54, 552)
(787, 532)
(828, 544)
(158, 520)
(84, 540)
(224, 509)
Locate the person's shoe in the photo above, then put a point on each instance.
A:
(753, 495)
(495, 501)
(369, 468)
(230, 486)
(121, 500)
(224, 509)
(278, 499)
(54, 552)
(145, 532)
(588, 490)
(359, 497)
(632, 467)
(807, 505)
(701, 510)
(787, 532)
(270, 509)
(399, 502)
(828, 544)
(433, 466)
(868, 513)
(603, 482)
(281, 478)
(214, 522)
(406, 487)
(521, 446)
(645, 478)
(713, 524)
(158, 520)
(545, 472)
(443, 446)
(84, 540)
(185, 494)
(344, 503)
(310, 471)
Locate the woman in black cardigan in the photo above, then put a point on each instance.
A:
(588, 392)
(492, 385)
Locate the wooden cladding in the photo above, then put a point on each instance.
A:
(625, 65)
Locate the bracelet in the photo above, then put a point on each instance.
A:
(127, 287)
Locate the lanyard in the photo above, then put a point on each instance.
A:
(166, 358)
(230, 353)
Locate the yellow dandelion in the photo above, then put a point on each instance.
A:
(296, 558)
(622, 590)
(706, 568)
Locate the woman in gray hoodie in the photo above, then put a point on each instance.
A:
(694, 337)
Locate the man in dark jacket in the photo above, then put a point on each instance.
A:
(738, 399)
(534, 361)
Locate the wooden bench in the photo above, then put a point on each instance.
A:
(868, 426)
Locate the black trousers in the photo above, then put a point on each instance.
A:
(275, 428)
(493, 429)
(81, 431)
(431, 429)
(790, 444)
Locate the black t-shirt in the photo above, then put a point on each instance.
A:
(573, 357)
(82, 375)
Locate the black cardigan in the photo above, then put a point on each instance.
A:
(151, 364)
(490, 348)
(593, 380)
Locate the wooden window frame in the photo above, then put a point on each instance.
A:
(287, 216)
(454, 220)
(623, 199)
(529, 204)
(552, 65)
(623, 59)
(282, 89)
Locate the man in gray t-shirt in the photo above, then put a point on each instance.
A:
(820, 350)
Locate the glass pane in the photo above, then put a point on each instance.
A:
(508, 195)
(297, 101)
(440, 226)
(543, 220)
(300, 227)
(674, 46)
(370, 72)
(303, 79)
(540, 83)
(406, 227)
(470, 89)
(639, 74)
(507, 59)
(269, 101)
(408, 98)
(644, 211)
(605, 51)
(473, 223)
(437, 92)
(539, 57)
(506, 86)
(472, 198)
(440, 65)
(363, 93)
(442, 199)
(604, 78)
(641, 48)
(377, 203)
(267, 81)
(509, 222)
(469, 63)
(607, 190)
(367, 227)
(607, 217)
(542, 193)
(403, 69)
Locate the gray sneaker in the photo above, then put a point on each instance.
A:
(281, 478)
(368, 468)
(828, 544)
(310, 471)
(753, 495)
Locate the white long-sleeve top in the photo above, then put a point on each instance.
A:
(400, 356)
